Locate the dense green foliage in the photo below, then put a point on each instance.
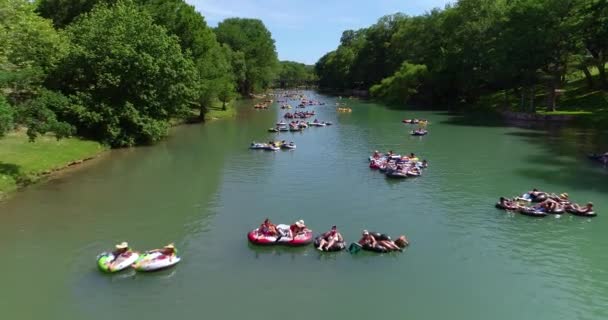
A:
(30, 49)
(129, 87)
(258, 62)
(292, 74)
(118, 71)
(472, 48)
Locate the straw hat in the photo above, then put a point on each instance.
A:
(564, 195)
(169, 246)
(300, 223)
(365, 232)
(122, 245)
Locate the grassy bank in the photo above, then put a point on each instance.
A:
(588, 105)
(23, 162)
(216, 111)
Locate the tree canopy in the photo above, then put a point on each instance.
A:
(125, 90)
(473, 47)
(254, 41)
(118, 71)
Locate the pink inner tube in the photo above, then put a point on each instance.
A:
(258, 238)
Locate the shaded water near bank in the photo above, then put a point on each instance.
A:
(204, 190)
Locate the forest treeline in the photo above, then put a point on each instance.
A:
(117, 71)
(454, 56)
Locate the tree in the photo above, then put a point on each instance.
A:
(63, 12)
(6, 116)
(402, 85)
(211, 60)
(593, 30)
(293, 74)
(126, 77)
(30, 50)
(250, 37)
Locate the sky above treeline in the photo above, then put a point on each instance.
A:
(304, 30)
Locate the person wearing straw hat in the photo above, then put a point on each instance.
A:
(120, 249)
(297, 228)
(167, 250)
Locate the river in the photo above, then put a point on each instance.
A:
(204, 190)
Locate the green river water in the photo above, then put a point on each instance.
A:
(204, 190)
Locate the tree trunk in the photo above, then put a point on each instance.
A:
(532, 96)
(601, 67)
(588, 76)
(522, 101)
(201, 114)
(223, 105)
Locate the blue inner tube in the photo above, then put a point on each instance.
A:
(338, 246)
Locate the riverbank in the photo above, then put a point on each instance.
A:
(23, 162)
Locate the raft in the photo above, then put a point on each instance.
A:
(503, 207)
(259, 238)
(582, 214)
(108, 263)
(396, 174)
(338, 246)
(419, 133)
(154, 261)
(528, 211)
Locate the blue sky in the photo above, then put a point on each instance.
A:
(304, 30)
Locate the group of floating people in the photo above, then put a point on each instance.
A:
(397, 166)
(263, 105)
(298, 234)
(421, 130)
(601, 158)
(299, 115)
(272, 145)
(296, 126)
(123, 257)
(304, 102)
(545, 204)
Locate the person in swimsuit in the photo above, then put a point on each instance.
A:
(267, 228)
(367, 239)
(297, 228)
(328, 239)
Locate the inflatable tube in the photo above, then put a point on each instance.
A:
(557, 211)
(108, 263)
(396, 174)
(539, 198)
(528, 211)
(413, 174)
(273, 130)
(257, 146)
(419, 133)
(338, 246)
(259, 238)
(154, 261)
(582, 214)
(504, 207)
(354, 247)
(380, 236)
(288, 146)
